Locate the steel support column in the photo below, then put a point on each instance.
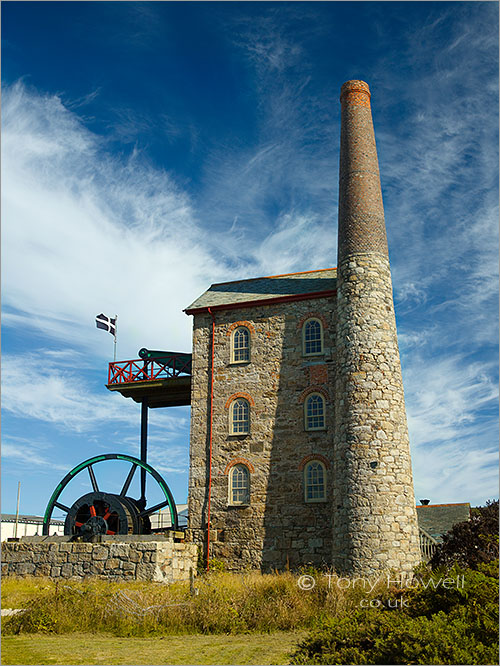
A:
(144, 449)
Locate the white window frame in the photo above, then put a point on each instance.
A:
(307, 485)
(306, 416)
(304, 326)
(232, 421)
(235, 361)
(245, 501)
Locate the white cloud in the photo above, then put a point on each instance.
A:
(87, 233)
(451, 406)
(167, 452)
(447, 474)
(447, 397)
(439, 155)
(279, 250)
(34, 387)
(28, 452)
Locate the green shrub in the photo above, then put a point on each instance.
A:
(377, 636)
(446, 589)
(474, 599)
(217, 565)
(471, 542)
(450, 616)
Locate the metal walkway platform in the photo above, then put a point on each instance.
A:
(159, 382)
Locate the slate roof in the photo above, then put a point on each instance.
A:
(437, 519)
(266, 288)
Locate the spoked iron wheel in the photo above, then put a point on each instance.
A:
(108, 513)
(104, 513)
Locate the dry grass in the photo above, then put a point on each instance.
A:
(225, 604)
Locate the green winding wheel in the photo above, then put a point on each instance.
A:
(99, 512)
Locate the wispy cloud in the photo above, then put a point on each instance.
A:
(448, 399)
(439, 164)
(28, 452)
(452, 406)
(281, 185)
(87, 228)
(88, 233)
(52, 389)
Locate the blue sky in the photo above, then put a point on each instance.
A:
(151, 149)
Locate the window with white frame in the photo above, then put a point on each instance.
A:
(315, 481)
(240, 417)
(312, 337)
(239, 485)
(240, 348)
(314, 412)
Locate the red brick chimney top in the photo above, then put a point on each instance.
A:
(355, 92)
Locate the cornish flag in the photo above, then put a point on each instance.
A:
(106, 323)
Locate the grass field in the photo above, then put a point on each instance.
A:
(225, 604)
(193, 649)
(248, 618)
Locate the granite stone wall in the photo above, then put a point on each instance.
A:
(160, 561)
(278, 527)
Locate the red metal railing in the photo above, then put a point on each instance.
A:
(139, 370)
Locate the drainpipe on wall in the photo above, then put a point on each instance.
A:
(210, 437)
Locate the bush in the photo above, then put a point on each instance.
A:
(384, 637)
(441, 623)
(477, 588)
(472, 542)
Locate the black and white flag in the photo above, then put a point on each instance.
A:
(106, 323)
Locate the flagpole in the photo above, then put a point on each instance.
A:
(116, 330)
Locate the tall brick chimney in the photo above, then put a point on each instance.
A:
(374, 516)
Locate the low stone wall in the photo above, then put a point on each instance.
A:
(160, 561)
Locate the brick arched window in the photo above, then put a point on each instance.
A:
(314, 412)
(240, 345)
(239, 485)
(312, 337)
(239, 417)
(315, 481)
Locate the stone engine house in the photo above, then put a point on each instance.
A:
(299, 444)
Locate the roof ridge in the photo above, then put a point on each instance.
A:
(268, 277)
(419, 506)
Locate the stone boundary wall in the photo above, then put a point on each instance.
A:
(160, 561)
